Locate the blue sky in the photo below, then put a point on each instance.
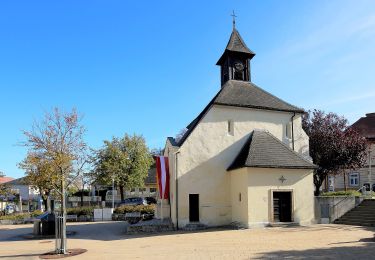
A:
(149, 67)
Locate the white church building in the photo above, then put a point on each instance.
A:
(245, 158)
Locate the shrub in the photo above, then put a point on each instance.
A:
(144, 209)
(342, 193)
(36, 213)
(79, 211)
(17, 216)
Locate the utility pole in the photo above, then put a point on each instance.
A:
(113, 192)
(369, 171)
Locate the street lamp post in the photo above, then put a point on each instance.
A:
(113, 192)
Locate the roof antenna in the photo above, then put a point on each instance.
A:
(234, 19)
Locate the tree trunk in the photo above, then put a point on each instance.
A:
(83, 188)
(344, 180)
(122, 192)
(62, 249)
(45, 203)
(318, 181)
(317, 190)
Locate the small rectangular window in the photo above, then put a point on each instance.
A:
(230, 127)
(331, 183)
(354, 179)
(239, 196)
(288, 130)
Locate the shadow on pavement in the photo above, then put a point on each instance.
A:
(364, 250)
(115, 230)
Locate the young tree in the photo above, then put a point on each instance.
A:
(41, 173)
(126, 160)
(58, 141)
(5, 190)
(334, 146)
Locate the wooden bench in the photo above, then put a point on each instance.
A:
(71, 218)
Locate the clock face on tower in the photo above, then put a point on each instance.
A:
(238, 70)
(238, 66)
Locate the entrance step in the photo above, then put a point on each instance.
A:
(151, 226)
(283, 224)
(194, 226)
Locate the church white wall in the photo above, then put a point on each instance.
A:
(239, 196)
(262, 182)
(209, 150)
(170, 151)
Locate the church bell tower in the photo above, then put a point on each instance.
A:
(235, 61)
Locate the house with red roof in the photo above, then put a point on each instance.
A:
(354, 179)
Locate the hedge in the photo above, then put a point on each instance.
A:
(342, 193)
(144, 209)
(80, 211)
(21, 216)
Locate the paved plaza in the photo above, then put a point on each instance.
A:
(107, 240)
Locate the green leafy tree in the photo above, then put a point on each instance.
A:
(126, 160)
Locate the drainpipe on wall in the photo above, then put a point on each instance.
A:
(176, 179)
(292, 118)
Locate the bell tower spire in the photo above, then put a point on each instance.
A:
(235, 61)
(234, 19)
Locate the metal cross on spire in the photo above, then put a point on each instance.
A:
(234, 19)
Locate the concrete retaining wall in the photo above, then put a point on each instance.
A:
(328, 209)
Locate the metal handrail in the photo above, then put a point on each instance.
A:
(347, 196)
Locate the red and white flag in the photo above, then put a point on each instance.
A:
(162, 169)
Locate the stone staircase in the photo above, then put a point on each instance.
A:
(362, 215)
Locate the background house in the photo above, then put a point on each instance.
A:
(357, 178)
(28, 194)
(149, 190)
(4, 179)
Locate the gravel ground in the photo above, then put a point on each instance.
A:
(106, 240)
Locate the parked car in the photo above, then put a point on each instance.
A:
(134, 201)
(11, 208)
(151, 200)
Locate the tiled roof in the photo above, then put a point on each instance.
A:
(5, 179)
(172, 141)
(247, 94)
(263, 150)
(19, 181)
(236, 44)
(242, 94)
(366, 126)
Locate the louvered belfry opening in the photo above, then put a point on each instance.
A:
(235, 61)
